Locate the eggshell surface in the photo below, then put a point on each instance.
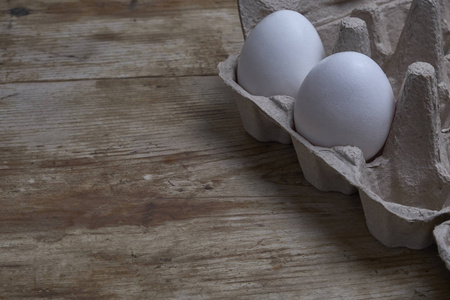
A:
(278, 54)
(346, 99)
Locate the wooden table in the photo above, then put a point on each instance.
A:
(125, 171)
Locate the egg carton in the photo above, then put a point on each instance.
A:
(405, 189)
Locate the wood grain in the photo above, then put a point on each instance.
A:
(115, 39)
(148, 186)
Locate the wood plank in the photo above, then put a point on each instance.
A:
(150, 188)
(105, 39)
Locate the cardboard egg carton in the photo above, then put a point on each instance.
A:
(405, 190)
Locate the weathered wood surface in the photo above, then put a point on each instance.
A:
(125, 171)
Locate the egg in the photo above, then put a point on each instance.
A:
(346, 99)
(278, 54)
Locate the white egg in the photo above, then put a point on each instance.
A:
(278, 54)
(346, 99)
